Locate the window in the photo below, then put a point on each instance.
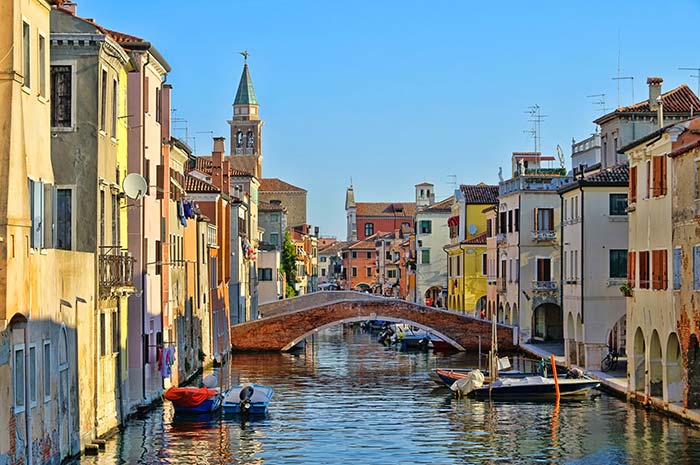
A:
(159, 109)
(696, 267)
(369, 229)
(369, 254)
(510, 270)
(42, 66)
(115, 107)
(274, 217)
(618, 204)
(618, 263)
(354, 271)
(391, 274)
(544, 269)
(659, 178)
(633, 185)
(659, 270)
(354, 254)
(631, 268)
(64, 219)
(517, 219)
(484, 264)
(47, 371)
(115, 332)
(323, 272)
(26, 55)
(425, 256)
(275, 238)
(102, 217)
(369, 271)
(544, 219)
(265, 274)
(488, 229)
(510, 221)
(387, 255)
(103, 334)
(644, 269)
(115, 220)
(32, 375)
(36, 199)
(648, 179)
(61, 96)
(677, 260)
(426, 226)
(18, 373)
(517, 269)
(103, 101)
(565, 264)
(323, 259)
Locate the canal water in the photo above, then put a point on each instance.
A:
(345, 399)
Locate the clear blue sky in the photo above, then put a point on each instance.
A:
(393, 93)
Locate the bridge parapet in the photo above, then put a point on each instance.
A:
(285, 326)
(315, 299)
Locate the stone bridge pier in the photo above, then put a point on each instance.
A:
(285, 323)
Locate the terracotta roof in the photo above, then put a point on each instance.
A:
(615, 176)
(367, 243)
(397, 209)
(333, 248)
(269, 207)
(205, 165)
(442, 206)
(123, 38)
(678, 100)
(480, 194)
(479, 239)
(194, 184)
(277, 185)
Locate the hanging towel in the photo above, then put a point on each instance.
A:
(188, 209)
(181, 213)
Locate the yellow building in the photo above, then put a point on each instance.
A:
(466, 253)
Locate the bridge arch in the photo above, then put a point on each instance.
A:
(286, 323)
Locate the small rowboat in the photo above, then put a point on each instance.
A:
(448, 376)
(192, 400)
(534, 387)
(248, 399)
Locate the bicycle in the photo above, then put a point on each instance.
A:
(609, 362)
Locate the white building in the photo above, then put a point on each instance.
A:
(529, 255)
(432, 233)
(594, 254)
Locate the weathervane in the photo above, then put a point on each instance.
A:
(245, 55)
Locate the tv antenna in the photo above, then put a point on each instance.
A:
(623, 78)
(536, 118)
(211, 134)
(697, 76)
(451, 180)
(181, 124)
(600, 101)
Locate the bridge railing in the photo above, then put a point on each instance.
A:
(315, 299)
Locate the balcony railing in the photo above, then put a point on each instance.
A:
(544, 285)
(544, 235)
(116, 270)
(500, 237)
(501, 285)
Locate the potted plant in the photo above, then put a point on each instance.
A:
(626, 290)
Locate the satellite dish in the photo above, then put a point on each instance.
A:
(135, 186)
(472, 229)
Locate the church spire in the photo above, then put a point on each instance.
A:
(245, 94)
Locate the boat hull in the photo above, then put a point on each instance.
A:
(254, 405)
(567, 388)
(208, 406)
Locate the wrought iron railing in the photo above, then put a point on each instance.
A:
(544, 285)
(116, 269)
(542, 235)
(501, 285)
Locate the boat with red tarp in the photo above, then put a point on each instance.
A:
(193, 399)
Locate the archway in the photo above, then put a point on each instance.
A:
(433, 296)
(515, 320)
(499, 314)
(639, 360)
(481, 304)
(656, 368)
(693, 399)
(674, 369)
(570, 339)
(363, 287)
(506, 315)
(548, 323)
(64, 392)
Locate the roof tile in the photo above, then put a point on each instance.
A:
(480, 194)
(391, 209)
(277, 185)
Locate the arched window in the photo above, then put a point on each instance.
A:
(239, 139)
(369, 229)
(251, 139)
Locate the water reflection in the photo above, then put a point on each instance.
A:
(345, 399)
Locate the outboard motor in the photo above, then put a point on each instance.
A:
(245, 396)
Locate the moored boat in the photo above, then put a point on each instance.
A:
(193, 400)
(248, 399)
(534, 387)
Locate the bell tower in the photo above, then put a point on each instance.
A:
(246, 127)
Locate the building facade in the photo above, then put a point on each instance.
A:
(367, 218)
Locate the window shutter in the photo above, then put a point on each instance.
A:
(656, 178)
(677, 268)
(664, 181)
(664, 268)
(49, 209)
(655, 270)
(630, 268)
(160, 181)
(534, 221)
(145, 94)
(37, 211)
(633, 185)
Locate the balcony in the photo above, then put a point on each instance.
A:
(116, 271)
(501, 238)
(545, 287)
(501, 285)
(544, 235)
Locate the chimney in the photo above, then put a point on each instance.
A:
(72, 7)
(217, 155)
(654, 84)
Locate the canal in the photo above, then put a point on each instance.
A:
(347, 400)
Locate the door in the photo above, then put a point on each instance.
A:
(64, 410)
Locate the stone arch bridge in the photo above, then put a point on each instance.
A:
(285, 323)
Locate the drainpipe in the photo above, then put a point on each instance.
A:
(27, 394)
(144, 253)
(583, 293)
